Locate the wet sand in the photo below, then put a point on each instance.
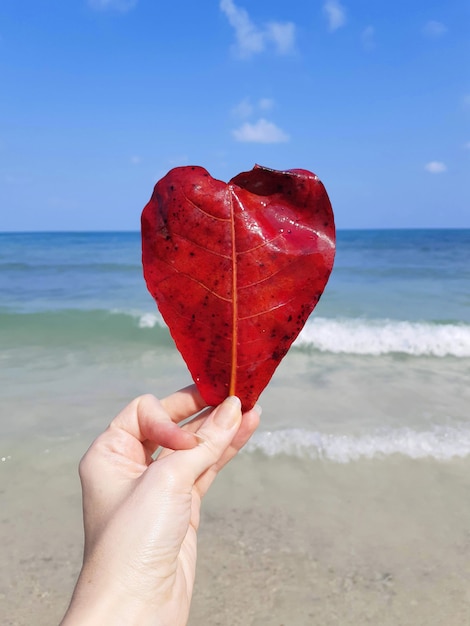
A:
(282, 541)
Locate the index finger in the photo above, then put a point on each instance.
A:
(183, 403)
(154, 422)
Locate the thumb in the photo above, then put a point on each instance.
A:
(215, 435)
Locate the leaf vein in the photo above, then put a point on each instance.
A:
(214, 217)
(269, 276)
(273, 308)
(195, 280)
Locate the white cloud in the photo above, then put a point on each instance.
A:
(368, 38)
(466, 145)
(261, 131)
(249, 39)
(435, 167)
(116, 5)
(434, 29)
(252, 39)
(176, 161)
(466, 100)
(335, 13)
(243, 109)
(265, 104)
(17, 178)
(136, 159)
(282, 34)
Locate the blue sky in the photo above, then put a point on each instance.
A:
(100, 98)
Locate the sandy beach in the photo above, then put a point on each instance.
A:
(326, 544)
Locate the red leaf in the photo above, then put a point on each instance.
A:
(236, 269)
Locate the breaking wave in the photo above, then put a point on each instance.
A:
(329, 335)
(373, 337)
(377, 337)
(440, 443)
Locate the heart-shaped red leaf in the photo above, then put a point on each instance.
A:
(236, 269)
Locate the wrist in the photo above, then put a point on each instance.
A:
(98, 605)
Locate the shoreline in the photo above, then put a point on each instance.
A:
(282, 541)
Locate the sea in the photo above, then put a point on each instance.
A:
(351, 502)
(381, 367)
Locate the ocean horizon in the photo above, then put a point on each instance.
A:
(136, 230)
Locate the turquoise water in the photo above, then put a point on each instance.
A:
(385, 358)
(412, 275)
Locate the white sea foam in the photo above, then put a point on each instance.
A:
(150, 320)
(144, 320)
(439, 443)
(368, 337)
(376, 337)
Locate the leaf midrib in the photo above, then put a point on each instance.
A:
(234, 355)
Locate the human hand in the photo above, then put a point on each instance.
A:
(141, 515)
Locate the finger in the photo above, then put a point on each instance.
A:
(216, 434)
(146, 420)
(250, 422)
(191, 427)
(184, 403)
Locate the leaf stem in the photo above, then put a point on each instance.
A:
(233, 369)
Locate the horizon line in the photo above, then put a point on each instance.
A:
(137, 231)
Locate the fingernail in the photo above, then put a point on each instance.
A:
(228, 413)
(258, 409)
